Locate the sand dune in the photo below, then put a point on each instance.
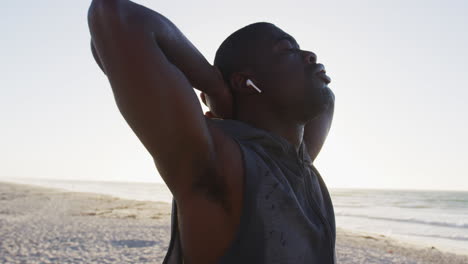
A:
(42, 225)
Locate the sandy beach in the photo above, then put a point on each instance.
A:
(44, 225)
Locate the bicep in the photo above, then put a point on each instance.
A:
(157, 101)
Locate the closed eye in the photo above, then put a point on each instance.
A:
(294, 50)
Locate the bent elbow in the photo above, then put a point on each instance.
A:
(102, 12)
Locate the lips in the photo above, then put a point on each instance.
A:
(322, 74)
(324, 77)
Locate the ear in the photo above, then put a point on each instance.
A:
(238, 83)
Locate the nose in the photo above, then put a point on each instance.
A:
(310, 57)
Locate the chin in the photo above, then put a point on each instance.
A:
(314, 103)
(312, 111)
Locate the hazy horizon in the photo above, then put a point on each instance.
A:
(45, 181)
(399, 72)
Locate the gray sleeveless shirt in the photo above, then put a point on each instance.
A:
(287, 214)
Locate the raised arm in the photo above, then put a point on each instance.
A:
(96, 57)
(152, 67)
(316, 131)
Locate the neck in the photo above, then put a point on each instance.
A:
(292, 132)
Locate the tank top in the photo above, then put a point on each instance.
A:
(287, 213)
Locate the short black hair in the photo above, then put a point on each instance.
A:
(238, 51)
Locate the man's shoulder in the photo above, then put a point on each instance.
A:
(228, 126)
(220, 132)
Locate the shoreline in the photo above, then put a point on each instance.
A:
(49, 225)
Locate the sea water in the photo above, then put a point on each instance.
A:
(427, 218)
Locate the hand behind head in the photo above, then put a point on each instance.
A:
(220, 101)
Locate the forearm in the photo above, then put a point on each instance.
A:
(316, 130)
(175, 46)
(96, 57)
(321, 123)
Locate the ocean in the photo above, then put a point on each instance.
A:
(426, 218)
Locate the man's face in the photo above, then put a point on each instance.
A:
(294, 83)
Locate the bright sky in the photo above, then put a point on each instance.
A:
(399, 71)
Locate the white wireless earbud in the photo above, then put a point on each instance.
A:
(249, 82)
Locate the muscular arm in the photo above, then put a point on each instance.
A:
(96, 57)
(316, 131)
(152, 67)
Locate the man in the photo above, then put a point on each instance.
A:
(244, 187)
